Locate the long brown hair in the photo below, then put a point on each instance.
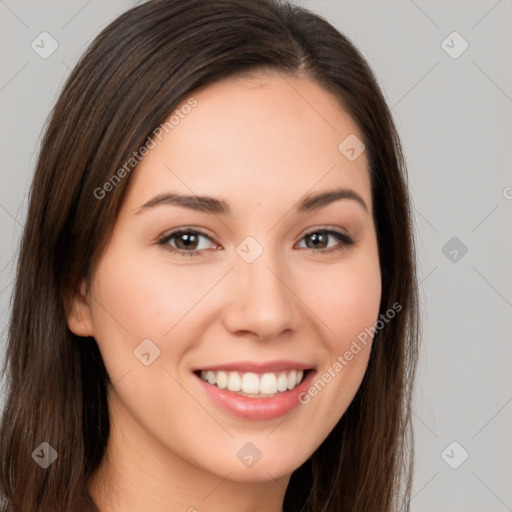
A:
(131, 78)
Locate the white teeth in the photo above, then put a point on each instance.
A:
(292, 379)
(254, 384)
(282, 382)
(250, 383)
(222, 380)
(234, 381)
(268, 384)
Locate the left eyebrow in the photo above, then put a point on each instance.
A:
(215, 206)
(322, 199)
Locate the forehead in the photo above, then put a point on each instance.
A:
(268, 136)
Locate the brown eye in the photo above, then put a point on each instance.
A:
(318, 241)
(185, 242)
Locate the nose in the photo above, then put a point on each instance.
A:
(261, 301)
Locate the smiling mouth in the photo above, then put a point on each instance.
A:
(254, 384)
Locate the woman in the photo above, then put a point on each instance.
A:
(215, 305)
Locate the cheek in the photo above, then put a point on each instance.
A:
(129, 306)
(346, 299)
(346, 302)
(141, 298)
(135, 301)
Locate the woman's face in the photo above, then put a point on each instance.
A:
(244, 287)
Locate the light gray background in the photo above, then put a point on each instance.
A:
(454, 119)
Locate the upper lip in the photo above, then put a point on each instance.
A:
(258, 367)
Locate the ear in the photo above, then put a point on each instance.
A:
(80, 321)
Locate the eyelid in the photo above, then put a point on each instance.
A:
(163, 239)
(188, 229)
(326, 228)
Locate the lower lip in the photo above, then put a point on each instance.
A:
(257, 408)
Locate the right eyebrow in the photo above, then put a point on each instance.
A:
(203, 204)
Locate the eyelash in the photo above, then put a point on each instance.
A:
(346, 240)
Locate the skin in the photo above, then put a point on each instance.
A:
(261, 144)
